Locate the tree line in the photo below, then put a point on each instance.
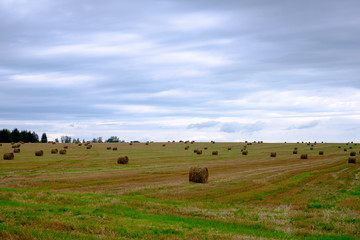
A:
(7, 136)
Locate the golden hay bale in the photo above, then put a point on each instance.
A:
(54, 143)
(273, 154)
(114, 148)
(123, 160)
(215, 153)
(8, 156)
(244, 152)
(108, 148)
(0, 144)
(229, 148)
(62, 151)
(147, 143)
(39, 153)
(352, 160)
(164, 145)
(345, 149)
(192, 142)
(187, 147)
(54, 151)
(16, 145)
(66, 147)
(311, 148)
(89, 147)
(199, 152)
(16, 150)
(339, 146)
(80, 144)
(353, 154)
(205, 148)
(303, 156)
(295, 148)
(295, 152)
(321, 152)
(198, 175)
(350, 147)
(131, 144)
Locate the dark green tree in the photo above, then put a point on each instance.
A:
(16, 136)
(25, 136)
(5, 136)
(33, 137)
(44, 138)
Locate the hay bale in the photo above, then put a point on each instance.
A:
(131, 144)
(62, 151)
(295, 152)
(39, 153)
(350, 147)
(123, 160)
(8, 156)
(311, 148)
(0, 144)
(215, 153)
(164, 145)
(147, 143)
(273, 154)
(16, 145)
(16, 150)
(89, 147)
(187, 147)
(80, 144)
(229, 148)
(66, 147)
(54, 151)
(321, 152)
(345, 149)
(352, 160)
(198, 175)
(295, 148)
(303, 156)
(199, 152)
(244, 152)
(114, 148)
(353, 154)
(108, 148)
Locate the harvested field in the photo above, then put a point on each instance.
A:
(88, 195)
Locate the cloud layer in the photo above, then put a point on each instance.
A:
(163, 70)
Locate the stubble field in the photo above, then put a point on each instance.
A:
(85, 194)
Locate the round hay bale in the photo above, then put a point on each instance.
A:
(0, 144)
(147, 143)
(54, 151)
(350, 147)
(16, 146)
(66, 147)
(131, 144)
(16, 150)
(229, 148)
(205, 148)
(199, 152)
(215, 153)
(353, 154)
(311, 148)
(339, 147)
(244, 152)
(123, 160)
(345, 149)
(164, 145)
(53, 143)
(89, 147)
(39, 153)
(114, 148)
(303, 156)
(80, 144)
(352, 160)
(62, 151)
(295, 148)
(295, 152)
(8, 156)
(198, 175)
(108, 148)
(321, 152)
(273, 154)
(187, 147)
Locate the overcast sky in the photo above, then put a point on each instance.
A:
(169, 70)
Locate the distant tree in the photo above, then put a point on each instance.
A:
(5, 136)
(16, 136)
(65, 139)
(113, 139)
(33, 137)
(94, 140)
(99, 140)
(83, 140)
(44, 138)
(56, 140)
(25, 136)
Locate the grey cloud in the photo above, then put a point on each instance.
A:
(203, 125)
(305, 125)
(243, 128)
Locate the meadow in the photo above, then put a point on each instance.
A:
(85, 194)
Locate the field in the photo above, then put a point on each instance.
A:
(85, 194)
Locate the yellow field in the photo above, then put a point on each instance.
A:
(85, 194)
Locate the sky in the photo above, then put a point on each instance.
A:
(159, 70)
